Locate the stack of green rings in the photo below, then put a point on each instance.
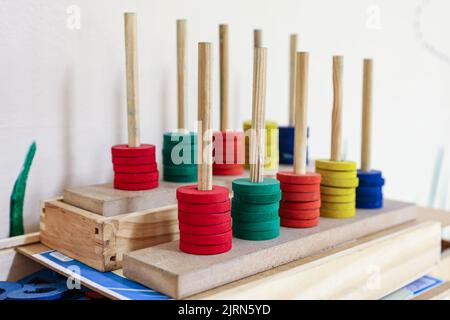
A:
(254, 209)
(179, 157)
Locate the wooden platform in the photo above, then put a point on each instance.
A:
(180, 275)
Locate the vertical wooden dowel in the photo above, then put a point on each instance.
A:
(257, 144)
(181, 72)
(292, 68)
(366, 134)
(301, 113)
(132, 80)
(257, 38)
(223, 36)
(336, 125)
(204, 116)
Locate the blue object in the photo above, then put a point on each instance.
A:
(373, 178)
(369, 193)
(374, 204)
(45, 291)
(7, 287)
(286, 145)
(44, 276)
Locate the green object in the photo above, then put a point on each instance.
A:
(178, 158)
(175, 138)
(258, 199)
(181, 170)
(18, 195)
(255, 208)
(243, 216)
(256, 226)
(171, 178)
(267, 186)
(256, 235)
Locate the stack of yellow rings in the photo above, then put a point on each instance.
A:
(337, 188)
(271, 156)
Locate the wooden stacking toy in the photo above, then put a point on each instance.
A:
(228, 144)
(300, 201)
(271, 130)
(286, 133)
(256, 200)
(339, 178)
(134, 164)
(369, 194)
(179, 151)
(203, 209)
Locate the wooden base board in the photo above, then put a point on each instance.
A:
(179, 275)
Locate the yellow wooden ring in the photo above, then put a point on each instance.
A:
(338, 214)
(338, 199)
(335, 191)
(337, 174)
(329, 206)
(336, 165)
(269, 124)
(342, 183)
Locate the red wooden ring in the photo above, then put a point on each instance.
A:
(299, 196)
(290, 223)
(144, 160)
(205, 230)
(136, 177)
(299, 214)
(227, 166)
(205, 250)
(292, 205)
(208, 240)
(210, 208)
(292, 178)
(228, 172)
(146, 168)
(204, 219)
(135, 186)
(305, 188)
(191, 194)
(123, 150)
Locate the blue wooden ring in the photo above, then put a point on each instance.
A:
(51, 291)
(7, 287)
(368, 191)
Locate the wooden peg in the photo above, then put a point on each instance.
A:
(336, 125)
(132, 80)
(182, 72)
(292, 87)
(301, 113)
(257, 143)
(366, 134)
(257, 38)
(204, 116)
(223, 35)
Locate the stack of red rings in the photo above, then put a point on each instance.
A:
(204, 220)
(300, 199)
(134, 168)
(228, 153)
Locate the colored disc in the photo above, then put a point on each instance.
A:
(371, 198)
(256, 226)
(256, 235)
(7, 287)
(290, 205)
(134, 161)
(136, 177)
(369, 175)
(291, 223)
(267, 186)
(205, 230)
(136, 169)
(205, 250)
(337, 206)
(258, 199)
(342, 183)
(301, 197)
(201, 209)
(180, 170)
(206, 240)
(204, 219)
(225, 166)
(235, 171)
(336, 165)
(253, 207)
(338, 214)
(337, 174)
(253, 217)
(369, 191)
(123, 150)
(292, 178)
(135, 186)
(338, 199)
(336, 191)
(370, 180)
(191, 194)
(299, 214)
(375, 204)
(174, 157)
(45, 291)
(306, 188)
(171, 139)
(180, 179)
(269, 124)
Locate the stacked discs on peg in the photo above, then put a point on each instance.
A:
(204, 220)
(369, 194)
(228, 153)
(300, 201)
(179, 157)
(134, 168)
(255, 209)
(271, 147)
(339, 181)
(286, 145)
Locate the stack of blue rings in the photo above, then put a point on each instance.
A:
(286, 145)
(369, 194)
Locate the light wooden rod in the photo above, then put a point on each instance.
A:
(366, 134)
(223, 37)
(182, 73)
(336, 125)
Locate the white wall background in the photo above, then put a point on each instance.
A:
(65, 87)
